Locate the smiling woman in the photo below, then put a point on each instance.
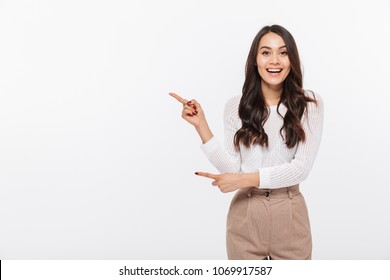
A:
(272, 135)
(272, 62)
(273, 69)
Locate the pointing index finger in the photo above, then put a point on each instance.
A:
(178, 98)
(208, 175)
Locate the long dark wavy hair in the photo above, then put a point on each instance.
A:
(253, 111)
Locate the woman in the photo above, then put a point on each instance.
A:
(272, 135)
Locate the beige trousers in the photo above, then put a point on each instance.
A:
(268, 223)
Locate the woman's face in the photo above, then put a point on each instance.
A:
(272, 60)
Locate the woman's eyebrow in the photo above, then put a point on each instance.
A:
(266, 47)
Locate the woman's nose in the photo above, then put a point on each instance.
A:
(274, 58)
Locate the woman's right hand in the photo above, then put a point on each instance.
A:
(192, 111)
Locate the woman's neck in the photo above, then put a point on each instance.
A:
(271, 94)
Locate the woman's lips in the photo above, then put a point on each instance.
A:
(274, 70)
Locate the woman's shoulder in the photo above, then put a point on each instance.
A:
(232, 103)
(231, 107)
(318, 105)
(316, 96)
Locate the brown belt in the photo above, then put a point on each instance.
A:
(287, 192)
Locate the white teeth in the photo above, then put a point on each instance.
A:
(274, 70)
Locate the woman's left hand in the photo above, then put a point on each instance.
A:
(229, 182)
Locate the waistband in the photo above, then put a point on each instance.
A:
(287, 192)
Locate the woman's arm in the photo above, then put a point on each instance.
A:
(227, 159)
(204, 131)
(298, 169)
(284, 175)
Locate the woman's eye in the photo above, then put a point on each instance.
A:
(265, 53)
(283, 53)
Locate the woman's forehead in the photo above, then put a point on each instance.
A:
(272, 40)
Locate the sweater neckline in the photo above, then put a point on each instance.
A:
(273, 108)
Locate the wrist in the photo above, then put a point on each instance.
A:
(202, 125)
(251, 179)
(204, 131)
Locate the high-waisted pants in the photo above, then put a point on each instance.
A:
(268, 224)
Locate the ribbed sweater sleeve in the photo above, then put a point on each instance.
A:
(226, 159)
(298, 169)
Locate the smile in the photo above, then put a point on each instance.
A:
(274, 70)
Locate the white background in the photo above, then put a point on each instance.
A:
(96, 162)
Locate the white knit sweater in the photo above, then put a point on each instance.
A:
(278, 165)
